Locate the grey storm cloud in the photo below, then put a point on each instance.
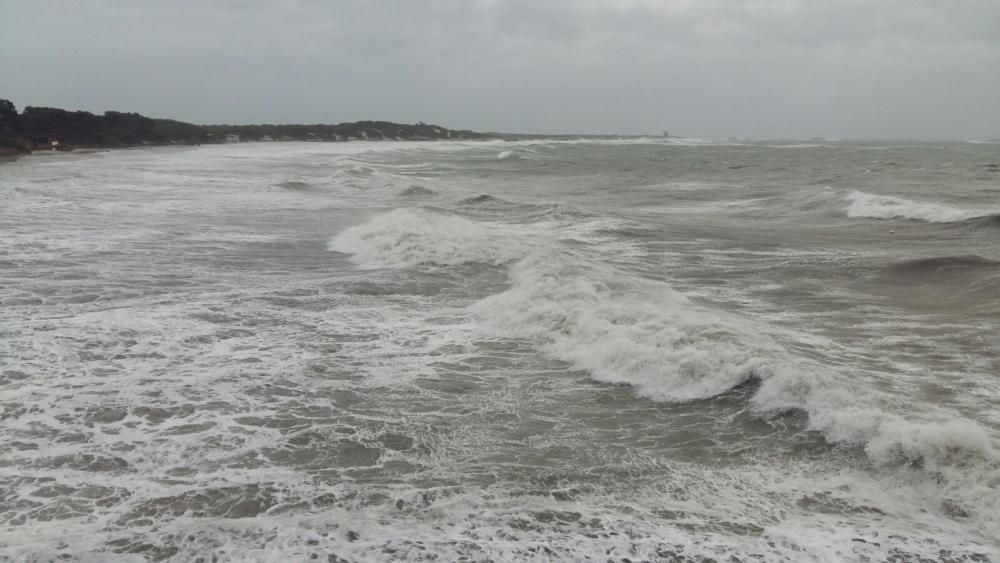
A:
(772, 68)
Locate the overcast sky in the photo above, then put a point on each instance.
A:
(711, 68)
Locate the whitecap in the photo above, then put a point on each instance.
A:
(624, 330)
(890, 207)
(407, 237)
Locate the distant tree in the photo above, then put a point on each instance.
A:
(8, 113)
(8, 116)
(7, 110)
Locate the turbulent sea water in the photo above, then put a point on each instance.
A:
(656, 350)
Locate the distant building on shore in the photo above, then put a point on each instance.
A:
(45, 141)
(231, 138)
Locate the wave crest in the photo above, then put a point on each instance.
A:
(984, 222)
(624, 331)
(408, 237)
(959, 263)
(890, 207)
(481, 199)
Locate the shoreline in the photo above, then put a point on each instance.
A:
(12, 155)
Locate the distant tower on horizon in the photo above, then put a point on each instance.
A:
(666, 133)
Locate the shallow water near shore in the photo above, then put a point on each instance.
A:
(492, 351)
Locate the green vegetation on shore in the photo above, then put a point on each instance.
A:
(20, 133)
(374, 130)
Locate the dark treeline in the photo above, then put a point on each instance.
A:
(37, 127)
(339, 132)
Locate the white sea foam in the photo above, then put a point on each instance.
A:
(496, 525)
(889, 207)
(889, 438)
(624, 330)
(216, 414)
(508, 155)
(407, 237)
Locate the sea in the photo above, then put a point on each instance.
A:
(630, 350)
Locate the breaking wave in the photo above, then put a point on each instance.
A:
(508, 155)
(621, 329)
(890, 207)
(626, 331)
(408, 237)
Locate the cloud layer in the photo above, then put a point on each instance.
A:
(772, 68)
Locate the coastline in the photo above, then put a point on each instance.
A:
(46, 128)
